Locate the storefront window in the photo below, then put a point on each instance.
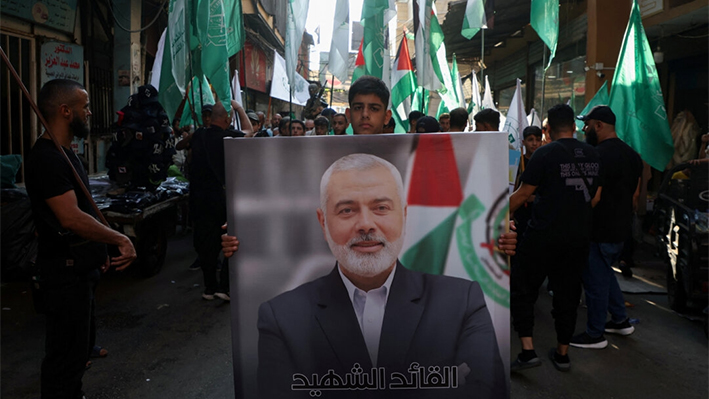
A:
(565, 83)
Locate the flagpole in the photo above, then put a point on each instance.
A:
(482, 55)
(544, 75)
(332, 90)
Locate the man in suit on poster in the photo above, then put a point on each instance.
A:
(371, 312)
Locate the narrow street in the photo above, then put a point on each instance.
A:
(164, 341)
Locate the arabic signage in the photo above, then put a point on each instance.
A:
(256, 68)
(297, 330)
(62, 61)
(57, 14)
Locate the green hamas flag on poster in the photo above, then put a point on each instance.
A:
(544, 18)
(636, 98)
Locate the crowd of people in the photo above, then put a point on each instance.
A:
(573, 204)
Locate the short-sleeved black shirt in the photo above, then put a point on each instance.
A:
(622, 167)
(562, 204)
(48, 175)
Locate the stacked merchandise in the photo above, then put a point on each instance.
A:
(143, 144)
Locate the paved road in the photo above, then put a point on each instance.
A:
(166, 342)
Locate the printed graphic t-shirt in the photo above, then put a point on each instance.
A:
(562, 208)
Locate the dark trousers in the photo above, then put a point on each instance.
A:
(563, 264)
(208, 221)
(69, 308)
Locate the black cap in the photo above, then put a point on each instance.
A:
(601, 113)
(207, 108)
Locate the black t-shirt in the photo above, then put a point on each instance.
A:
(48, 175)
(562, 204)
(207, 167)
(622, 167)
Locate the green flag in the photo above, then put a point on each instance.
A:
(212, 33)
(375, 16)
(169, 94)
(636, 98)
(474, 18)
(440, 64)
(544, 18)
(600, 98)
(234, 26)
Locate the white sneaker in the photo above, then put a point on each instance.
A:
(223, 295)
(209, 297)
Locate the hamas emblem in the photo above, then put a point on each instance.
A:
(480, 259)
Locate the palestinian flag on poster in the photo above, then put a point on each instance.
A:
(403, 85)
(433, 195)
(359, 64)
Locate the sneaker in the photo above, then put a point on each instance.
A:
(223, 295)
(208, 295)
(585, 341)
(561, 366)
(519, 364)
(195, 265)
(625, 269)
(623, 328)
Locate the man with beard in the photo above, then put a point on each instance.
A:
(370, 311)
(612, 220)
(71, 241)
(340, 124)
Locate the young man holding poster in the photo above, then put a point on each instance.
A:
(368, 111)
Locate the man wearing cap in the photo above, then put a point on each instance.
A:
(566, 177)
(612, 218)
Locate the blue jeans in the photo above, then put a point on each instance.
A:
(603, 294)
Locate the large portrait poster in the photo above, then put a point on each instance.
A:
(367, 266)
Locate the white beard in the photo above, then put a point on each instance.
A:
(366, 264)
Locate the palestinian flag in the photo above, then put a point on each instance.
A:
(433, 195)
(403, 86)
(359, 64)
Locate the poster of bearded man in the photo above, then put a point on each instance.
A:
(368, 267)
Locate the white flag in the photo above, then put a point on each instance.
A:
(425, 75)
(533, 119)
(516, 118)
(236, 96)
(157, 65)
(487, 97)
(280, 88)
(339, 46)
(296, 15)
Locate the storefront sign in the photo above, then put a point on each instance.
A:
(62, 61)
(255, 67)
(58, 14)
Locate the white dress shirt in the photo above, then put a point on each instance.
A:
(369, 308)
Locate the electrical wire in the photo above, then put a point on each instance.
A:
(115, 18)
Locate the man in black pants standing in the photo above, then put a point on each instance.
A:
(71, 241)
(208, 196)
(612, 219)
(565, 175)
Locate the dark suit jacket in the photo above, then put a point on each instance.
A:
(431, 320)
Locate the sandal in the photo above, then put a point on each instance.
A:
(98, 351)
